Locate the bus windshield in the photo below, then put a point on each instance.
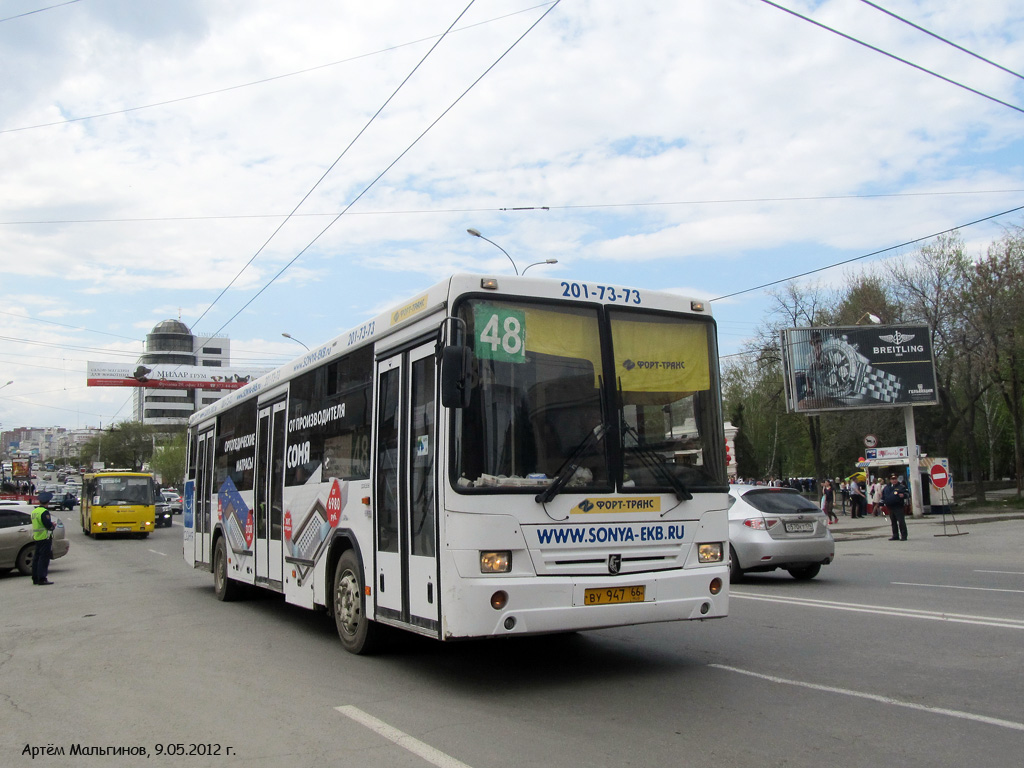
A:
(597, 399)
(115, 490)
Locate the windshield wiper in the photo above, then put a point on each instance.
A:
(655, 463)
(571, 465)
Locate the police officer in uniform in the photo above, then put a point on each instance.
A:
(42, 532)
(895, 497)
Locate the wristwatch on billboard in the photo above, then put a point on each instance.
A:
(850, 374)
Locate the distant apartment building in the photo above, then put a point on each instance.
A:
(172, 343)
(44, 444)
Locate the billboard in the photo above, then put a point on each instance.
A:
(877, 366)
(169, 376)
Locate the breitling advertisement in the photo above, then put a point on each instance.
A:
(878, 366)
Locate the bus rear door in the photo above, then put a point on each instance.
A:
(269, 492)
(203, 502)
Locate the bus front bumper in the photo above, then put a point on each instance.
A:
(489, 607)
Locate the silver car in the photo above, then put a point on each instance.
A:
(773, 528)
(17, 547)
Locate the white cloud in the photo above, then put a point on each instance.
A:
(610, 104)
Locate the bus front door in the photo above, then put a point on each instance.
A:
(407, 580)
(268, 493)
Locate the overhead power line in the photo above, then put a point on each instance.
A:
(391, 165)
(508, 209)
(40, 10)
(940, 37)
(336, 161)
(273, 78)
(869, 255)
(876, 49)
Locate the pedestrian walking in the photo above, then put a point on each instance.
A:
(856, 500)
(828, 500)
(895, 496)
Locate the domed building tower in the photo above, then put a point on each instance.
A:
(171, 343)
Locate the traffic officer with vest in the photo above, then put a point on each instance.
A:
(42, 532)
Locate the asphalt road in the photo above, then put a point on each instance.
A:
(905, 654)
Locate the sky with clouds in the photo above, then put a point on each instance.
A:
(149, 150)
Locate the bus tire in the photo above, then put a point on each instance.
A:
(225, 588)
(358, 634)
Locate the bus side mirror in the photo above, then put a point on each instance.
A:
(456, 363)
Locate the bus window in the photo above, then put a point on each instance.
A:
(536, 397)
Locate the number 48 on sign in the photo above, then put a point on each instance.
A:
(500, 334)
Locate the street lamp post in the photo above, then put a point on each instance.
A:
(289, 336)
(476, 233)
(538, 263)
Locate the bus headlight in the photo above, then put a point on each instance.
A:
(496, 562)
(709, 553)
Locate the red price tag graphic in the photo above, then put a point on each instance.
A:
(334, 505)
(288, 525)
(249, 525)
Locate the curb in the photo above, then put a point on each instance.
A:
(883, 531)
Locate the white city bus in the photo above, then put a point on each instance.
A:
(495, 457)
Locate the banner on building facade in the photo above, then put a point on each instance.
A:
(169, 376)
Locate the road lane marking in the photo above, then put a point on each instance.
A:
(404, 740)
(162, 554)
(951, 586)
(907, 613)
(876, 697)
(1005, 573)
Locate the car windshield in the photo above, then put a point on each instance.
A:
(124, 490)
(623, 399)
(775, 502)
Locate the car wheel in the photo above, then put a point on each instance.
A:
(225, 588)
(358, 634)
(735, 572)
(25, 558)
(806, 572)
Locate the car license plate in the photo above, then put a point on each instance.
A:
(799, 527)
(610, 595)
(123, 528)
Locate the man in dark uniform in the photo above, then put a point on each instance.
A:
(42, 532)
(895, 496)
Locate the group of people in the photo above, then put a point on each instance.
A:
(876, 499)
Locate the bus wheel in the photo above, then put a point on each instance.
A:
(225, 588)
(358, 634)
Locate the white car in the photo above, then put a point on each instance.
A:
(17, 547)
(173, 500)
(773, 528)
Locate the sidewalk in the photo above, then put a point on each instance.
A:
(871, 527)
